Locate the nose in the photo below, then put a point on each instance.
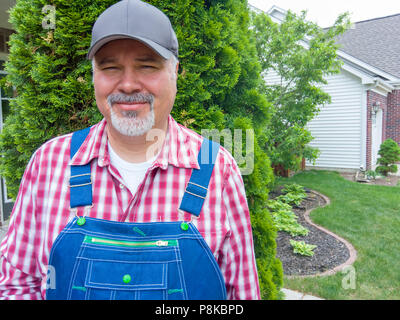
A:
(130, 82)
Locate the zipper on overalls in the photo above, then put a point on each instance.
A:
(122, 243)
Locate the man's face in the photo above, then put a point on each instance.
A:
(135, 88)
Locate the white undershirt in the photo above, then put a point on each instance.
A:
(131, 173)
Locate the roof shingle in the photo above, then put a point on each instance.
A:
(376, 42)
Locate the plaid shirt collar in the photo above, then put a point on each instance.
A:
(178, 149)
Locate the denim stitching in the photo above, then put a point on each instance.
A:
(100, 247)
(112, 236)
(88, 271)
(130, 262)
(125, 250)
(180, 271)
(207, 250)
(74, 271)
(103, 285)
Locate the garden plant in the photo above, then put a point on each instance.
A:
(368, 217)
(389, 153)
(286, 220)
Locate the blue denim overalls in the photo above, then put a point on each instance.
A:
(100, 259)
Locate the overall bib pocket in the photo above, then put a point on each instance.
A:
(114, 269)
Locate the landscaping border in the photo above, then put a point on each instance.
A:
(352, 251)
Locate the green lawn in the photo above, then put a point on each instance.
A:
(368, 216)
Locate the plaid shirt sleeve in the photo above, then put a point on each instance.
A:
(238, 261)
(19, 277)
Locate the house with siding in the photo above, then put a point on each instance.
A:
(365, 106)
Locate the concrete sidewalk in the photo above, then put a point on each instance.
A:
(295, 295)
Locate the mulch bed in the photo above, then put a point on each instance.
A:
(330, 252)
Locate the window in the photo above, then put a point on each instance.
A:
(6, 94)
(4, 38)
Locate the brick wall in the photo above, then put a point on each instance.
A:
(373, 97)
(393, 116)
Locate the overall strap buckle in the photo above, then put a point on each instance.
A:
(80, 182)
(197, 187)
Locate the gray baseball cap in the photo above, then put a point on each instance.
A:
(134, 19)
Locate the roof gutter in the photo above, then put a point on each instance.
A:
(367, 66)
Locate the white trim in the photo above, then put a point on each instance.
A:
(364, 117)
(365, 78)
(277, 14)
(255, 9)
(381, 87)
(367, 66)
(378, 90)
(277, 9)
(376, 137)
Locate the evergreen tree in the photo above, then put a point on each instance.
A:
(389, 155)
(218, 88)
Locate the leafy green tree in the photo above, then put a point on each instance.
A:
(218, 88)
(389, 153)
(301, 54)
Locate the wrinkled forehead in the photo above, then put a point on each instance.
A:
(117, 49)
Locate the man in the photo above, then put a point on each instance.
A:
(114, 189)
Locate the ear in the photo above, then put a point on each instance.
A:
(176, 70)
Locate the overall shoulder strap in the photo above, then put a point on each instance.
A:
(197, 187)
(80, 182)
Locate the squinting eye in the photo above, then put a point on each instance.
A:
(109, 68)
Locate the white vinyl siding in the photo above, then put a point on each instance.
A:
(272, 78)
(337, 129)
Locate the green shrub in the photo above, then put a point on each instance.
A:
(389, 152)
(370, 174)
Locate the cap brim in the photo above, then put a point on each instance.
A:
(160, 50)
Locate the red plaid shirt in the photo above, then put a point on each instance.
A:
(42, 209)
